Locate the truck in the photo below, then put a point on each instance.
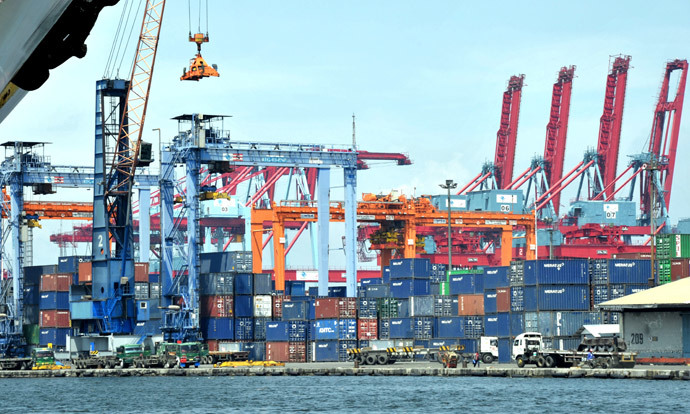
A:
(41, 358)
(95, 360)
(171, 355)
(128, 354)
(528, 348)
(216, 357)
(369, 356)
(488, 349)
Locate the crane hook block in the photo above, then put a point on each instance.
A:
(198, 68)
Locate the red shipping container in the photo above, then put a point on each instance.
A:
(212, 345)
(141, 272)
(297, 352)
(347, 308)
(327, 308)
(680, 269)
(217, 306)
(278, 305)
(85, 272)
(367, 328)
(278, 351)
(502, 299)
(470, 305)
(54, 319)
(56, 282)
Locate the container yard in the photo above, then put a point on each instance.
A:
(188, 264)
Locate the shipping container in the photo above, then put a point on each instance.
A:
(600, 293)
(260, 328)
(449, 327)
(55, 336)
(474, 326)
(404, 288)
(85, 272)
(337, 291)
(555, 272)
(404, 308)
(504, 350)
(263, 306)
(244, 306)
(297, 352)
(278, 351)
(401, 328)
(497, 324)
(295, 287)
(327, 308)
(81, 310)
(470, 305)
(629, 271)
(56, 282)
(141, 272)
(422, 305)
(517, 299)
(343, 346)
(517, 273)
(154, 290)
(54, 300)
(31, 295)
(216, 306)
(680, 269)
(366, 308)
(257, 350)
(295, 310)
(446, 305)
(490, 301)
(218, 262)
(216, 283)
(277, 303)
(347, 329)
(423, 327)
(386, 274)
(244, 329)
(54, 319)
(517, 323)
(495, 277)
(565, 323)
(32, 274)
(363, 283)
(367, 328)
(378, 291)
(70, 264)
(409, 268)
(244, 283)
(217, 328)
(262, 284)
(141, 291)
(556, 297)
(387, 307)
(503, 299)
(619, 290)
(297, 330)
(278, 331)
(326, 330)
(325, 351)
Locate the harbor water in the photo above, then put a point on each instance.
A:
(341, 394)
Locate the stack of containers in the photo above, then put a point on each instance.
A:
(31, 314)
(615, 278)
(54, 317)
(556, 298)
(217, 306)
(286, 335)
(497, 298)
(334, 329)
(672, 252)
(367, 321)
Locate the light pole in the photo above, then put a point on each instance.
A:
(448, 186)
(160, 155)
(652, 167)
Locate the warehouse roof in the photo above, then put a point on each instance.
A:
(671, 295)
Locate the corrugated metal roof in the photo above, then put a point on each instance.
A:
(671, 295)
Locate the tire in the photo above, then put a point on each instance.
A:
(550, 361)
(359, 359)
(610, 348)
(541, 361)
(382, 359)
(122, 364)
(370, 360)
(487, 358)
(166, 365)
(520, 362)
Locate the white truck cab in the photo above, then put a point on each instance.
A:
(488, 349)
(527, 341)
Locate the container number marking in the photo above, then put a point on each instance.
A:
(636, 339)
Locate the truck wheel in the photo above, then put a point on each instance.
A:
(487, 358)
(166, 365)
(370, 360)
(382, 359)
(23, 366)
(550, 361)
(541, 361)
(359, 359)
(520, 362)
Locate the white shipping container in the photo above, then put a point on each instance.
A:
(229, 347)
(263, 306)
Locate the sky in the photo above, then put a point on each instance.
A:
(422, 78)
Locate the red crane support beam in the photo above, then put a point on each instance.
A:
(469, 184)
(557, 193)
(610, 123)
(557, 128)
(506, 137)
(481, 180)
(635, 174)
(611, 186)
(556, 185)
(512, 183)
(527, 177)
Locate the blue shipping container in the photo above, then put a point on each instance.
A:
(295, 287)
(384, 328)
(503, 324)
(337, 291)
(565, 323)
(386, 274)
(371, 281)
(325, 351)
(410, 268)
(449, 327)
(54, 300)
(629, 271)
(257, 350)
(366, 308)
(490, 301)
(495, 277)
(401, 328)
(556, 297)
(464, 284)
(244, 284)
(517, 323)
(326, 330)
(217, 328)
(423, 327)
(260, 328)
(474, 326)
(504, 350)
(403, 308)
(70, 264)
(404, 288)
(445, 305)
(216, 284)
(343, 346)
(31, 295)
(244, 329)
(295, 310)
(55, 336)
(297, 331)
(557, 272)
(377, 291)
(244, 306)
(517, 299)
(262, 284)
(347, 329)
(422, 305)
(278, 331)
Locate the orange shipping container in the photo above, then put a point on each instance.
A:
(680, 269)
(56, 282)
(278, 351)
(216, 306)
(85, 272)
(470, 305)
(503, 299)
(54, 319)
(141, 272)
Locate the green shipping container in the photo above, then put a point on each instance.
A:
(680, 246)
(444, 288)
(466, 272)
(663, 246)
(663, 269)
(31, 334)
(387, 307)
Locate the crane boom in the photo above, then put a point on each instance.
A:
(506, 137)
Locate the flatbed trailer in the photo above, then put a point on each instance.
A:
(215, 357)
(369, 356)
(16, 363)
(96, 362)
(553, 358)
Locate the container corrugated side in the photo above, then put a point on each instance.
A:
(554, 272)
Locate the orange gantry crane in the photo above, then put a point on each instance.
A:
(408, 214)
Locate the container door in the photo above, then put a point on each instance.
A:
(686, 335)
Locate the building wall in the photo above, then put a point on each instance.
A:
(653, 334)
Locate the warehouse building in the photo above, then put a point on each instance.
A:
(655, 323)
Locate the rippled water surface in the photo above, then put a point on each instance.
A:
(342, 394)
